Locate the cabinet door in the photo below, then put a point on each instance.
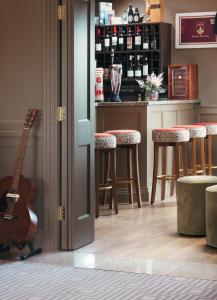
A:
(178, 82)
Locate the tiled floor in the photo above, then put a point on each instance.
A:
(144, 241)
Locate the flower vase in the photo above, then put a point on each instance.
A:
(151, 96)
(154, 96)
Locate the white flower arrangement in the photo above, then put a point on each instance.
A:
(151, 84)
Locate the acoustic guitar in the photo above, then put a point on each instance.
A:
(18, 221)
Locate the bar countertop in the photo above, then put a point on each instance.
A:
(147, 103)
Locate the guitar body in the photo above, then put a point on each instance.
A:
(22, 229)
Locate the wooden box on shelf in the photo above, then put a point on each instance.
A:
(183, 82)
(156, 10)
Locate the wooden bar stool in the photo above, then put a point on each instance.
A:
(163, 138)
(197, 135)
(211, 132)
(106, 143)
(130, 140)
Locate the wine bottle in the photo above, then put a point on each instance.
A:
(138, 39)
(145, 67)
(145, 45)
(129, 40)
(138, 71)
(121, 40)
(136, 16)
(154, 42)
(98, 41)
(114, 38)
(130, 70)
(107, 41)
(130, 14)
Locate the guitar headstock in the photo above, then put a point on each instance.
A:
(31, 117)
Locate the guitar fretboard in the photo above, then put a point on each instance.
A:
(19, 161)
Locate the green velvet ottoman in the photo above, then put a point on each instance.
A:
(211, 215)
(191, 193)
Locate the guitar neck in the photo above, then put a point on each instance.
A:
(20, 159)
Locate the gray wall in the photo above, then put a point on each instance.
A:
(21, 86)
(205, 58)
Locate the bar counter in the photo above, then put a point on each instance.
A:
(143, 116)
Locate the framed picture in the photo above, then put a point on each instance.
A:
(195, 30)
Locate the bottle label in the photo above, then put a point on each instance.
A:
(138, 40)
(145, 45)
(138, 73)
(121, 41)
(107, 42)
(145, 70)
(98, 47)
(114, 41)
(129, 43)
(130, 73)
(130, 18)
(136, 18)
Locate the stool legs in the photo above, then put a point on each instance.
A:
(172, 182)
(177, 157)
(113, 179)
(97, 184)
(194, 156)
(108, 167)
(209, 153)
(202, 155)
(130, 175)
(155, 171)
(137, 176)
(110, 171)
(164, 172)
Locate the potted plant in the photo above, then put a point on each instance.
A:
(151, 86)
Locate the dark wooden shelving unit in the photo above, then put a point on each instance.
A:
(158, 59)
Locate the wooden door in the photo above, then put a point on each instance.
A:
(77, 89)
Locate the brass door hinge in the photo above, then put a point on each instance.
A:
(61, 113)
(61, 12)
(61, 213)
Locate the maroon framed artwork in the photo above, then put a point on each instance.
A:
(195, 30)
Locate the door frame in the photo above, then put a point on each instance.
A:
(50, 140)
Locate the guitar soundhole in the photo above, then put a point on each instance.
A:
(3, 203)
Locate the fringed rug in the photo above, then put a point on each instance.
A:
(33, 281)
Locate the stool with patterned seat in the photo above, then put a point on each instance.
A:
(162, 138)
(211, 132)
(129, 140)
(106, 143)
(197, 135)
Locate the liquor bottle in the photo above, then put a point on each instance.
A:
(121, 40)
(136, 16)
(145, 67)
(138, 39)
(154, 42)
(107, 41)
(114, 38)
(145, 45)
(130, 14)
(129, 40)
(130, 70)
(98, 41)
(138, 71)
